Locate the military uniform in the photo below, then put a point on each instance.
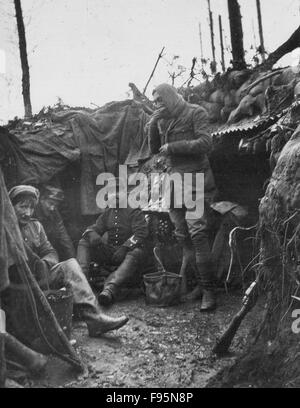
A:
(43, 259)
(126, 228)
(47, 213)
(57, 234)
(69, 274)
(185, 135)
(64, 273)
(35, 237)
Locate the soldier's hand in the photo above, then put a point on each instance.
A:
(158, 114)
(32, 256)
(41, 273)
(93, 238)
(119, 255)
(164, 149)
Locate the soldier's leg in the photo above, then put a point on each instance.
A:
(86, 254)
(33, 361)
(122, 275)
(199, 232)
(178, 218)
(70, 273)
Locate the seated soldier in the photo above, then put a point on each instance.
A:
(49, 216)
(127, 230)
(43, 260)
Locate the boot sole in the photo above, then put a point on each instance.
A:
(209, 309)
(117, 326)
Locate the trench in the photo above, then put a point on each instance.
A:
(158, 348)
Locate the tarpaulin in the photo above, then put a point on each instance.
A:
(101, 139)
(112, 135)
(10, 235)
(45, 153)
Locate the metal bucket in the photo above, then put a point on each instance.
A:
(162, 288)
(61, 303)
(23, 324)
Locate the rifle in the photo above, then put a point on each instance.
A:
(222, 345)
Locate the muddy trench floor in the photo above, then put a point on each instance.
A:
(158, 347)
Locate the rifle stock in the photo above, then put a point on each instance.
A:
(222, 345)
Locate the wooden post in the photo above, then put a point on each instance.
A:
(254, 36)
(222, 43)
(152, 73)
(24, 59)
(211, 25)
(236, 32)
(261, 35)
(201, 45)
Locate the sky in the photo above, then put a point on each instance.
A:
(87, 51)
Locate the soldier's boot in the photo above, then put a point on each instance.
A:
(205, 272)
(188, 258)
(98, 322)
(108, 295)
(195, 294)
(34, 362)
(83, 256)
(209, 302)
(116, 279)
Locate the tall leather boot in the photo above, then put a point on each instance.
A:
(195, 294)
(98, 322)
(208, 291)
(84, 256)
(189, 253)
(115, 280)
(205, 272)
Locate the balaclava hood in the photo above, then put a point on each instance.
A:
(173, 101)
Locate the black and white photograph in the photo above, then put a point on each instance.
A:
(149, 196)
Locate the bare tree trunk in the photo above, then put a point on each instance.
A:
(213, 64)
(221, 43)
(290, 45)
(236, 31)
(201, 45)
(261, 34)
(24, 59)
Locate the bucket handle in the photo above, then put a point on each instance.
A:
(158, 259)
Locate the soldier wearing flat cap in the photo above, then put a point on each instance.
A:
(43, 260)
(48, 214)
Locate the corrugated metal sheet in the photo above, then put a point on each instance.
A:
(247, 125)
